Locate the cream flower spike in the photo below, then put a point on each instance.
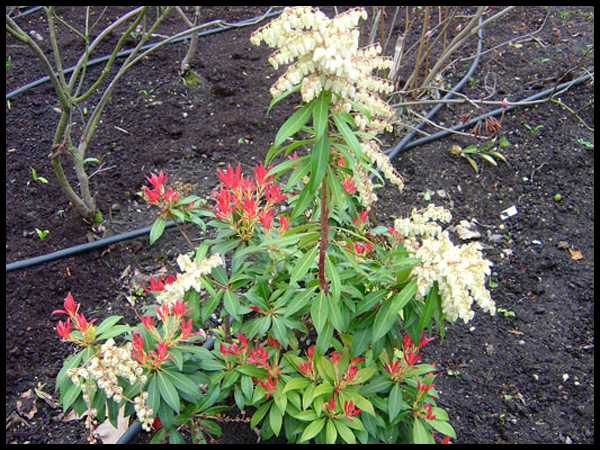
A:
(324, 54)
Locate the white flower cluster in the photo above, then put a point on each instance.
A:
(460, 272)
(422, 222)
(374, 153)
(363, 185)
(190, 278)
(328, 58)
(143, 411)
(103, 372)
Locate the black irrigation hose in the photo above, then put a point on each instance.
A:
(81, 248)
(525, 102)
(402, 145)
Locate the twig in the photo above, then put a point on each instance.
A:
(535, 170)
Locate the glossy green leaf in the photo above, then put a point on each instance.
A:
(319, 160)
(388, 313)
(275, 419)
(231, 303)
(330, 432)
(182, 383)
(443, 427)
(168, 391)
(296, 383)
(319, 311)
(157, 229)
(304, 263)
(433, 299)
(420, 433)
(345, 432)
(349, 137)
(320, 113)
(289, 128)
(394, 402)
(312, 430)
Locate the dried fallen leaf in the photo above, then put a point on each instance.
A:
(576, 255)
(46, 397)
(109, 434)
(466, 230)
(26, 404)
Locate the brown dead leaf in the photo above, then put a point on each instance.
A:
(109, 434)
(26, 406)
(576, 255)
(466, 230)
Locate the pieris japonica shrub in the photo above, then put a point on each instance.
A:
(324, 314)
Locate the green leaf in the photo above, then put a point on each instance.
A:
(394, 402)
(319, 160)
(153, 393)
(432, 300)
(443, 427)
(282, 96)
(252, 370)
(106, 325)
(168, 392)
(303, 264)
(231, 303)
(349, 137)
(69, 395)
(280, 331)
(275, 419)
(335, 314)
(489, 159)
(300, 301)
(330, 432)
(388, 313)
(319, 311)
(296, 383)
(312, 430)
(473, 163)
(289, 128)
(320, 113)
(360, 402)
(259, 414)
(345, 432)
(334, 277)
(182, 383)
(303, 201)
(157, 229)
(420, 433)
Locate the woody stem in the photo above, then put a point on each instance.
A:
(323, 241)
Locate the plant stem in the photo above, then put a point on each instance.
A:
(183, 233)
(323, 242)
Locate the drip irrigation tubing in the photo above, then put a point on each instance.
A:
(391, 153)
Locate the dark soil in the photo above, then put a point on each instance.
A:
(525, 375)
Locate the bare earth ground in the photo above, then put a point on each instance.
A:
(525, 375)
